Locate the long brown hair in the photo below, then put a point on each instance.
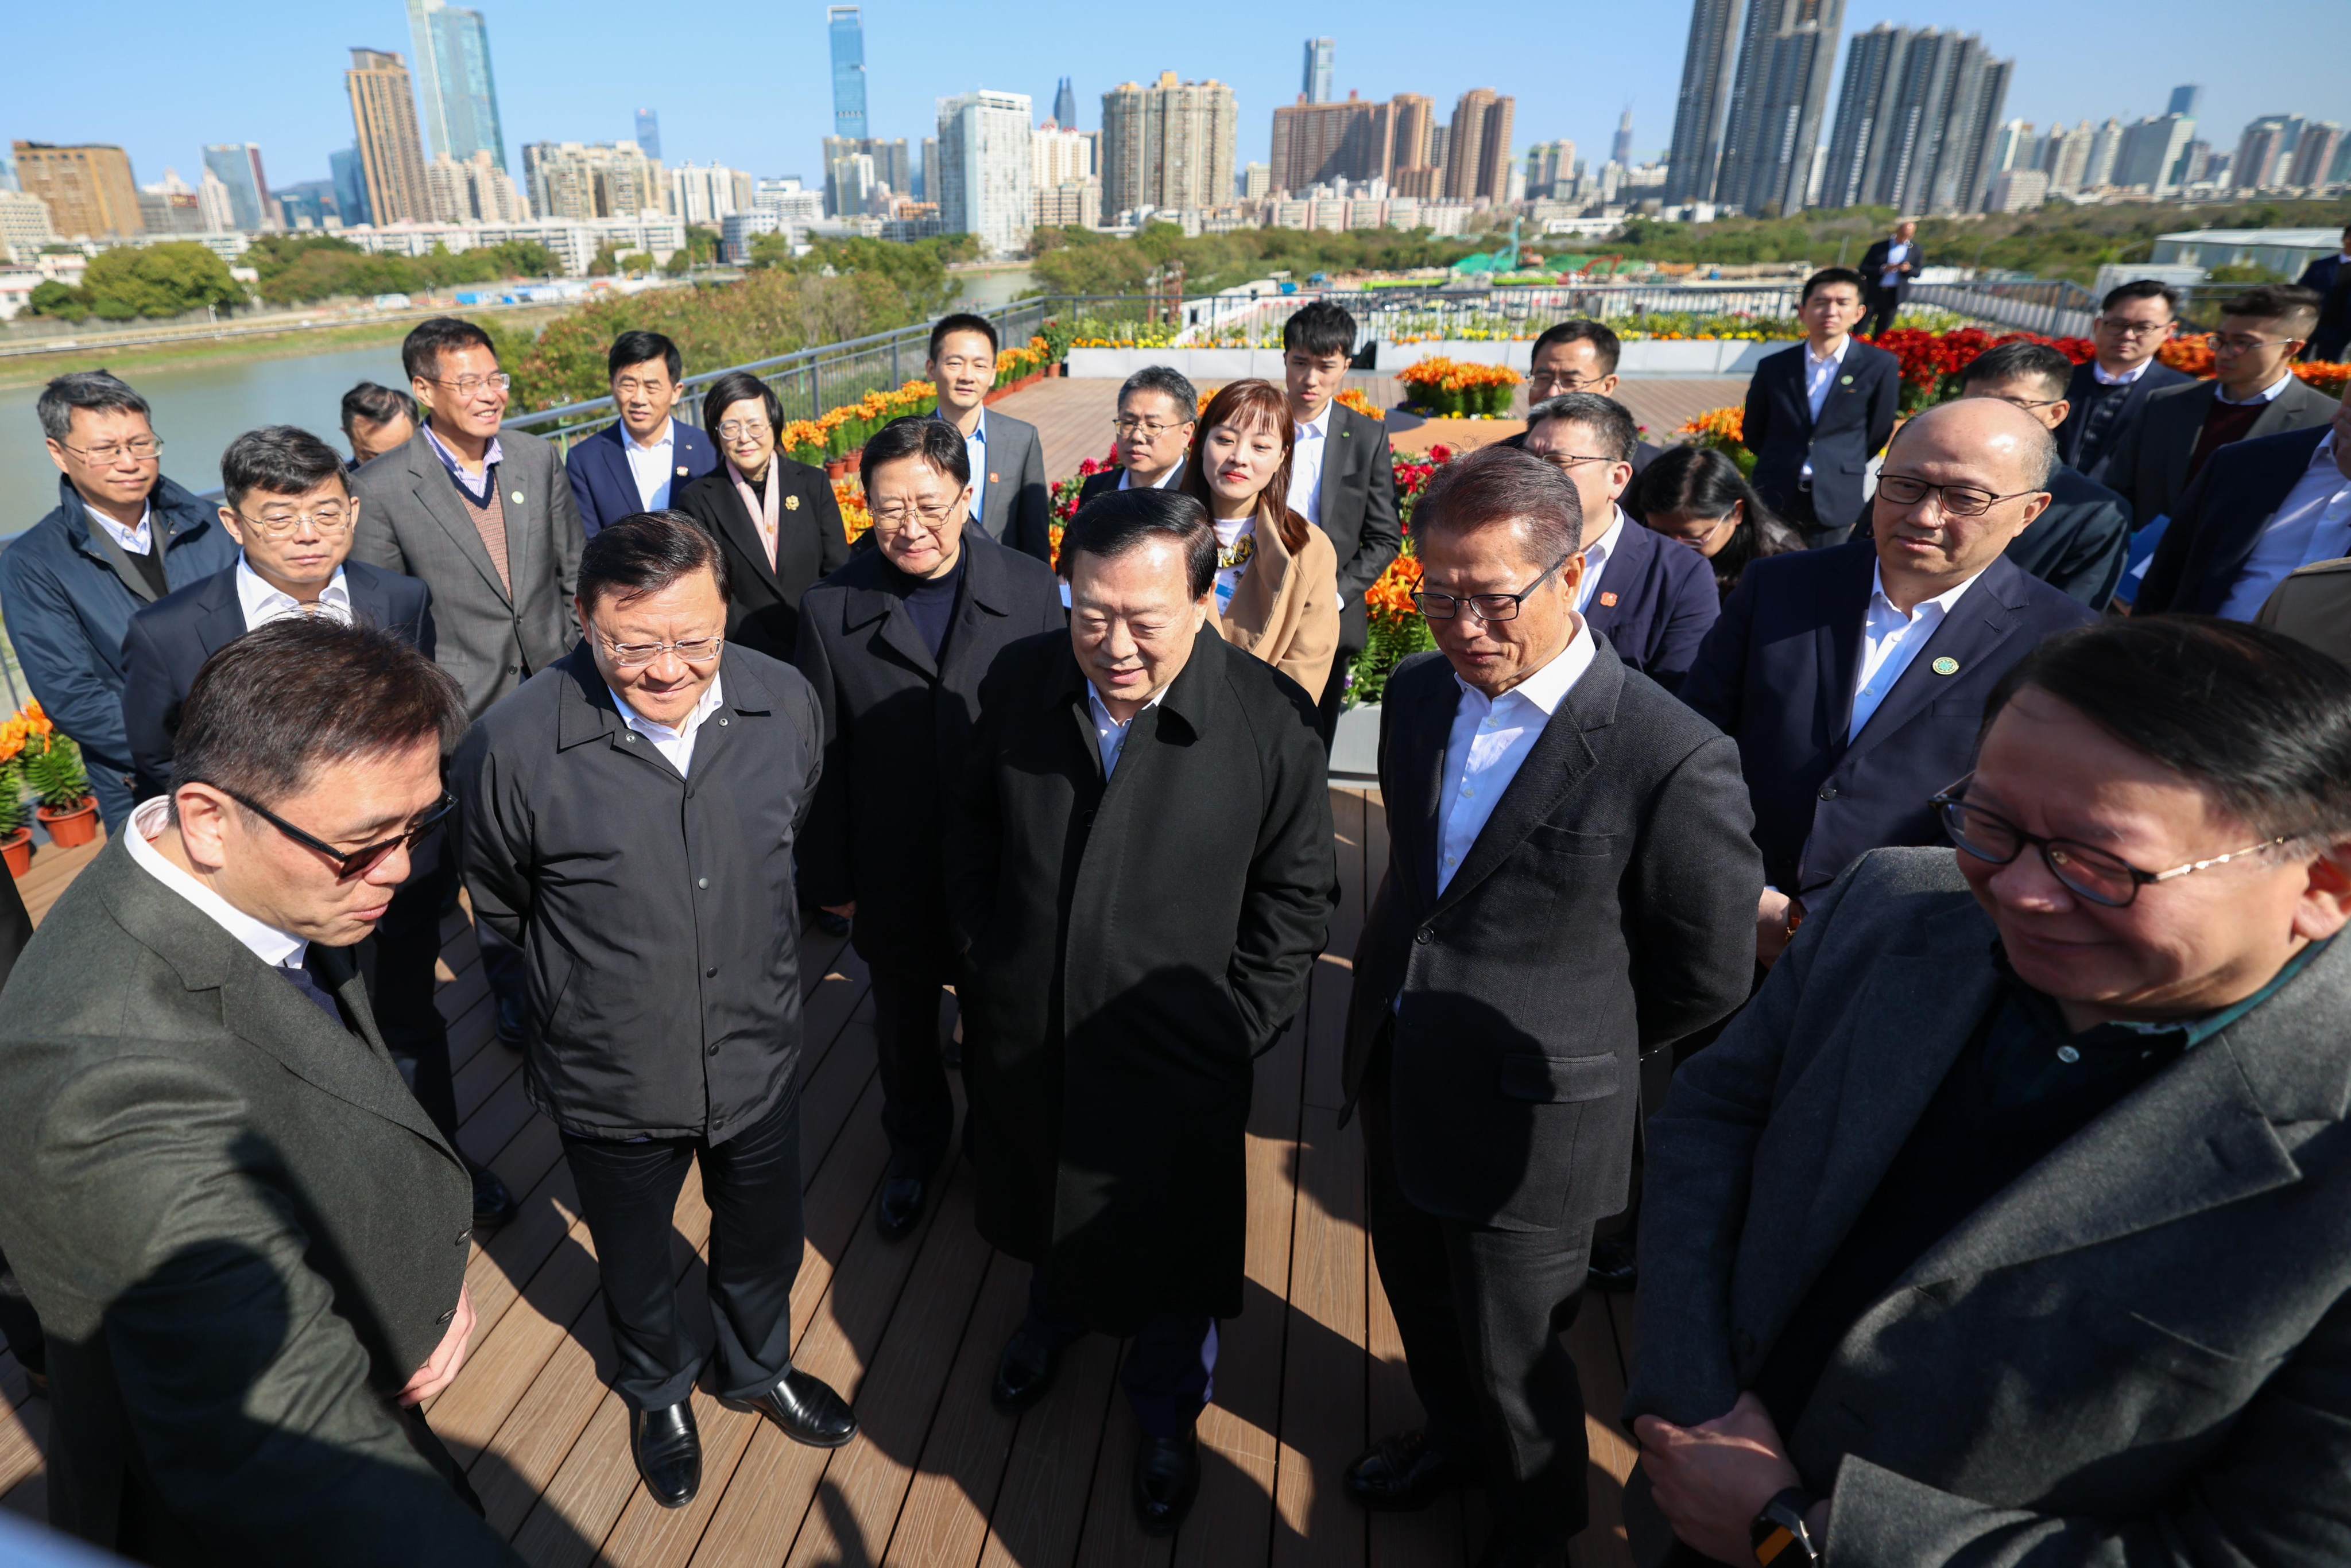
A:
(1242, 405)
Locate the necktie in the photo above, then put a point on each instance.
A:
(297, 974)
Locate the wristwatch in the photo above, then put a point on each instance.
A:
(1781, 1527)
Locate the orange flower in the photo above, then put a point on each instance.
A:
(849, 496)
(1723, 424)
(1390, 598)
(1355, 397)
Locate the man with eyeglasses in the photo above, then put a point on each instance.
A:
(1580, 356)
(1156, 412)
(643, 461)
(2254, 393)
(630, 816)
(2000, 1228)
(1569, 885)
(245, 1240)
(2107, 396)
(288, 505)
(122, 536)
(1852, 678)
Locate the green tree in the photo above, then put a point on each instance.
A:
(50, 298)
(158, 281)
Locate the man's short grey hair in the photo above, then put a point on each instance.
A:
(1163, 379)
(91, 389)
(1504, 484)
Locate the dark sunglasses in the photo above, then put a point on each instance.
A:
(347, 863)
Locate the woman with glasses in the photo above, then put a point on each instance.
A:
(1696, 497)
(1277, 573)
(775, 518)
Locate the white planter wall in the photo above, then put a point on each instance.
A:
(1198, 364)
(1659, 359)
(1355, 743)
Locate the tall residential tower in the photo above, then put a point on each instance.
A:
(847, 30)
(453, 81)
(390, 153)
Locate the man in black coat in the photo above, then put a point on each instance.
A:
(1141, 875)
(2260, 511)
(2330, 278)
(629, 816)
(896, 643)
(1818, 411)
(2106, 399)
(1569, 884)
(20, 1325)
(1887, 270)
(1156, 411)
(1852, 678)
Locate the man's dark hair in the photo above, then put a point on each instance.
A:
(1162, 378)
(96, 391)
(421, 350)
(2037, 363)
(284, 460)
(1504, 484)
(636, 348)
(1610, 420)
(934, 441)
(2293, 308)
(2261, 720)
(1320, 330)
(644, 552)
(2141, 288)
(376, 405)
(1829, 274)
(739, 387)
(961, 321)
(280, 702)
(1606, 349)
(1110, 526)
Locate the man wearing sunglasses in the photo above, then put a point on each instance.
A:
(1852, 679)
(245, 1240)
(2004, 1226)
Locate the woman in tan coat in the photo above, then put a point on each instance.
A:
(1277, 573)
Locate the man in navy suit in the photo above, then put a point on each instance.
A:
(2330, 277)
(2260, 510)
(642, 463)
(1817, 412)
(2106, 398)
(1853, 679)
(1653, 599)
(1581, 356)
(291, 510)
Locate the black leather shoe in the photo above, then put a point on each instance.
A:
(1166, 1476)
(494, 1205)
(808, 1410)
(1612, 1267)
(1403, 1474)
(900, 1207)
(1025, 1371)
(830, 924)
(669, 1452)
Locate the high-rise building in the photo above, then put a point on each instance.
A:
(1550, 165)
(2261, 158)
(1778, 98)
(2315, 154)
(1440, 149)
(2153, 152)
(984, 163)
(1257, 181)
(2017, 190)
(1697, 150)
(1059, 156)
(1168, 146)
(238, 164)
(2065, 157)
(24, 226)
(2183, 100)
(648, 132)
(1621, 150)
(214, 210)
(169, 207)
(1065, 105)
(344, 167)
(1865, 104)
(1314, 143)
(846, 29)
(473, 191)
(2195, 164)
(87, 187)
(2106, 151)
(8, 174)
(926, 173)
(307, 204)
(709, 196)
(390, 153)
(1321, 66)
(1918, 124)
(1478, 152)
(453, 81)
(576, 182)
(2014, 146)
(890, 167)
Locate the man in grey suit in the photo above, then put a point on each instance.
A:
(244, 1238)
(2008, 1224)
(1013, 504)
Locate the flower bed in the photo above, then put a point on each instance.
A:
(1447, 389)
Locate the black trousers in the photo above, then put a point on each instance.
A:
(1170, 1370)
(407, 946)
(20, 1325)
(917, 1111)
(1334, 693)
(628, 1192)
(1480, 1312)
(1883, 303)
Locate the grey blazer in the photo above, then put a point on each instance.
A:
(1017, 506)
(411, 521)
(2148, 464)
(242, 1235)
(2135, 1354)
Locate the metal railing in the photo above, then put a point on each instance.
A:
(2053, 307)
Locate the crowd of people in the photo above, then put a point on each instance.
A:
(1883, 904)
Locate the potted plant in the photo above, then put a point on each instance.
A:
(16, 838)
(67, 810)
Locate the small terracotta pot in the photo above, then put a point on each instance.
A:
(72, 828)
(836, 467)
(16, 850)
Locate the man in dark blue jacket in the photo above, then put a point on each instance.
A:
(645, 460)
(1817, 412)
(2260, 510)
(123, 536)
(2331, 277)
(1853, 679)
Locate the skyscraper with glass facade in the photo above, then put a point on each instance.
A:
(455, 85)
(848, 32)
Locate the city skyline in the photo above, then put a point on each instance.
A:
(555, 87)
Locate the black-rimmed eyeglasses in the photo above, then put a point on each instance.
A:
(348, 863)
(1488, 608)
(2101, 878)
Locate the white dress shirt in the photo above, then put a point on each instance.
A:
(2268, 394)
(653, 467)
(975, 451)
(2106, 378)
(2314, 525)
(136, 540)
(1890, 640)
(1896, 254)
(1489, 740)
(1820, 377)
(263, 604)
(1306, 467)
(277, 949)
(676, 745)
(1161, 482)
(1595, 559)
(1110, 735)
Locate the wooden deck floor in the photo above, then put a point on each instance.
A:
(1306, 1376)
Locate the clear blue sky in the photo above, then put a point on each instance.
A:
(748, 84)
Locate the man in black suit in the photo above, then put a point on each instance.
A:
(1852, 679)
(2108, 397)
(2330, 278)
(1342, 476)
(2078, 544)
(1581, 356)
(245, 1240)
(2260, 511)
(1569, 882)
(896, 643)
(1817, 412)
(1887, 270)
(289, 506)
(1156, 411)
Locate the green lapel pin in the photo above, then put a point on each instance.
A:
(1946, 665)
